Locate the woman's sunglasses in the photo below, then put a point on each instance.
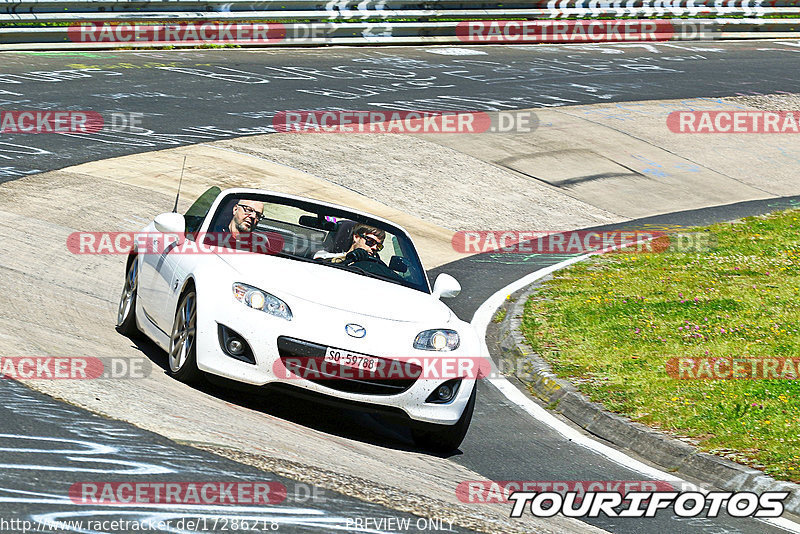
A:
(370, 242)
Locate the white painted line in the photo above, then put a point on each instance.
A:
(480, 321)
(450, 51)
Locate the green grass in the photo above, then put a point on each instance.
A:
(612, 323)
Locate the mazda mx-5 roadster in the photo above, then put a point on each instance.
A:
(309, 298)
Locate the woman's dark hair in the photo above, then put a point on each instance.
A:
(363, 229)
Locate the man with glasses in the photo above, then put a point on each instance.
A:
(236, 233)
(246, 214)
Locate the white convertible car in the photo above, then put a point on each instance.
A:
(307, 314)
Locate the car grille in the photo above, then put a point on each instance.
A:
(289, 348)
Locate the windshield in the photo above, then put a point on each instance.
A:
(328, 236)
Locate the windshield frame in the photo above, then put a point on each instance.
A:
(407, 247)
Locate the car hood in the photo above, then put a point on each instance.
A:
(337, 288)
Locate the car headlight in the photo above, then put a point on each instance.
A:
(261, 300)
(440, 340)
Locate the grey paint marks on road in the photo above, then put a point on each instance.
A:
(237, 92)
(48, 447)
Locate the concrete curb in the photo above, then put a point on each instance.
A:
(673, 455)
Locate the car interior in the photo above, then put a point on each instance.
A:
(311, 233)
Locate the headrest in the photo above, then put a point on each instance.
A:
(343, 239)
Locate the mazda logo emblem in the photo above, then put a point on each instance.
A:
(355, 330)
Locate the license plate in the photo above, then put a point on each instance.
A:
(351, 359)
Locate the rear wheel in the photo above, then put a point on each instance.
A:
(126, 313)
(182, 341)
(446, 438)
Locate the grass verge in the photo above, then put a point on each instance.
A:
(613, 323)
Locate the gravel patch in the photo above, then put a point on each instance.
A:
(775, 102)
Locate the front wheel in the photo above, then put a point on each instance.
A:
(126, 313)
(446, 438)
(182, 345)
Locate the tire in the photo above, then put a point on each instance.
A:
(182, 352)
(446, 438)
(126, 312)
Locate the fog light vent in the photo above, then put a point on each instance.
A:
(234, 345)
(445, 392)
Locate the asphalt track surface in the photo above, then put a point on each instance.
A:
(46, 466)
(200, 95)
(196, 96)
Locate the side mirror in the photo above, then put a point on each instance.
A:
(172, 223)
(446, 287)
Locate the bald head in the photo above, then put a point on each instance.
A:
(246, 214)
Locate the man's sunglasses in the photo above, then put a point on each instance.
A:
(370, 242)
(251, 211)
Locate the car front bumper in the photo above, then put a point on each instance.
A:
(325, 328)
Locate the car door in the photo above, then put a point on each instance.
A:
(159, 273)
(150, 288)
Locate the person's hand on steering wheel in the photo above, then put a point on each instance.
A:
(357, 255)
